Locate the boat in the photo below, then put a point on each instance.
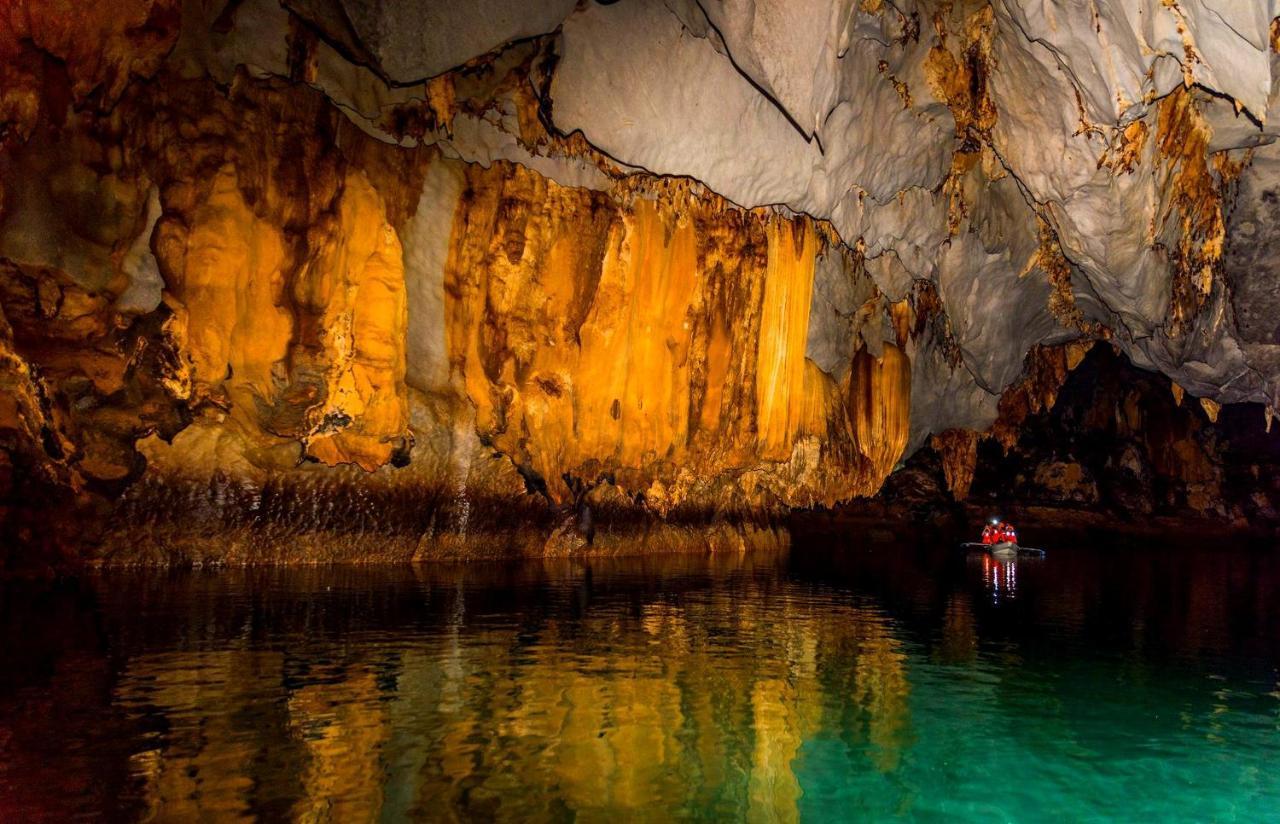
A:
(1006, 549)
(1000, 539)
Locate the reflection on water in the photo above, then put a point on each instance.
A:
(819, 684)
(635, 707)
(1000, 574)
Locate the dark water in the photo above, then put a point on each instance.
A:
(826, 683)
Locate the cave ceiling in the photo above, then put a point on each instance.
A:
(966, 144)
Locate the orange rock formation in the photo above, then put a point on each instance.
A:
(650, 340)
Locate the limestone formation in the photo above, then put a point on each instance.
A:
(674, 257)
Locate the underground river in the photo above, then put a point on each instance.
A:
(827, 680)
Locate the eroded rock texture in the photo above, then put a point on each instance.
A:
(1119, 447)
(560, 259)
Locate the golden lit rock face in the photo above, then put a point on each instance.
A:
(784, 325)
(356, 287)
(278, 273)
(644, 346)
(659, 342)
(880, 406)
(286, 281)
(323, 343)
(226, 291)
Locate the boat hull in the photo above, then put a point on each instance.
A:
(1006, 549)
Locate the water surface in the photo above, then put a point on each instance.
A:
(830, 682)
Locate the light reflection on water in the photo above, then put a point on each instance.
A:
(820, 685)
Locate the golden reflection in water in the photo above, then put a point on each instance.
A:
(621, 711)
(959, 632)
(343, 726)
(882, 688)
(774, 788)
(201, 770)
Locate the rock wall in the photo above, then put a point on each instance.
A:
(1100, 446)
(652, 260)
(283, 296)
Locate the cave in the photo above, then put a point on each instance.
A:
(722, 409)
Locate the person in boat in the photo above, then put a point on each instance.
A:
(999, 532)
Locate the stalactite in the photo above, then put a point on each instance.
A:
(880, 407)
(784, 326)
(959, 451)
(1196, 181)
(1046, 370)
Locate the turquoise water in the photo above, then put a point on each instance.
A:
(832, 682)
